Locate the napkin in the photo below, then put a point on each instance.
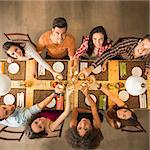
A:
(102, 102)
(83, 65)
(41, 70)
(123, 69)
(20, 99)
(142, 99)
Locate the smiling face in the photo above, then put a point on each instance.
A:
(6, 111)
(98, 39)
(124, 113)
(59, 34)
(143, 48)
(83, 126)
(38, 125)
(15, 52)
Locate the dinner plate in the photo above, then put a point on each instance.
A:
(93, 97)
(9, 99)
(97, 70)
(52, 103)
(58, 66)
(136, 71)
(124, 95)
(13, 68)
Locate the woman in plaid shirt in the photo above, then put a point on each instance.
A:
(127, 48)
(94, 44)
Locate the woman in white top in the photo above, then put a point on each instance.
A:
(26, 51)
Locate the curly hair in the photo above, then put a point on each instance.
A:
(90, 140)
(98, 29)
(7, 45)
(30, 133)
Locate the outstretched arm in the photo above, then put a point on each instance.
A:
(34, 54)
(96, 119)
(113, 97)
(108, 54)
(46, 101)
(62, 117)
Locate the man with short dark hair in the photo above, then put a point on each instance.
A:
(58, 42)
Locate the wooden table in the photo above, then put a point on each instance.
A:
(111, 76)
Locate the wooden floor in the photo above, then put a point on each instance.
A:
(113, 139)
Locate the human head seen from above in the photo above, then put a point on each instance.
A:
(14, 50)
(59, 30)
(83, 126)
(143, 47)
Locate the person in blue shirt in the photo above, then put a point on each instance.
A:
(14, 116)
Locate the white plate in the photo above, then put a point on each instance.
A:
(124, 95)
(93, 97)
(58, 66)
(136, 71)
(97, 70)
(13, 68)
(52, 103)
(9, 99)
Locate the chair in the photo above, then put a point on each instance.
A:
(11, 134)
(137, 128)
(18, 37)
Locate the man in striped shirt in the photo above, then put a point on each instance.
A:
(127, 48)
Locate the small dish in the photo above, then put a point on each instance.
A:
(97, 70)
(58, 66)
(124, 95)
(9, 99)
(137, 71)
(93, 97)
(13, 68)
(52, 103)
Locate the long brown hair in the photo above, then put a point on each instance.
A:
(111, 116)
(7, 45)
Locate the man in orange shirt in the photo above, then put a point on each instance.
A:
(58, 42)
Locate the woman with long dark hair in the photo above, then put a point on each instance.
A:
(26, 51)
(119, 116)
(44, 123)
(94, 44)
